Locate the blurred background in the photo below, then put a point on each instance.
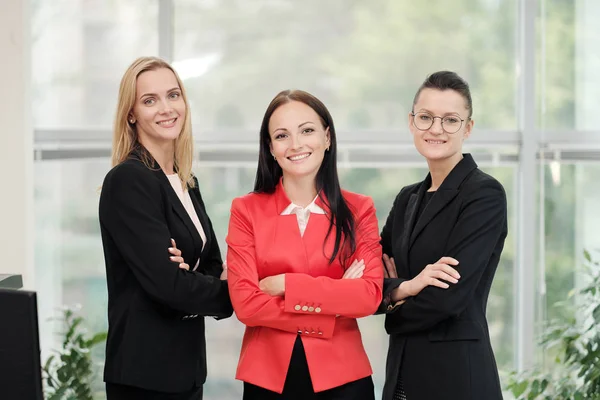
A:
(533, 70)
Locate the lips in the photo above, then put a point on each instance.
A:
(167, 123)
(299, 157)
(431, 141)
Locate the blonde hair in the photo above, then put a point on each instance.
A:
(125, 138)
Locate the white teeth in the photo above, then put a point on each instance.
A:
(299, 157)
(435, 141)
(167, 122)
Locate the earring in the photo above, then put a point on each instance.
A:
(131, 120)
(274, 158)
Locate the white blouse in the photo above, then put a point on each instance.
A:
(302, 214)
(186, 200)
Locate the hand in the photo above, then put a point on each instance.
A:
(224, 273)
(355, 270)
(273, 285)
(434, 275)
(176, 256)
(389, 267)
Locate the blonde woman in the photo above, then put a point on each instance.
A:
(150, 201)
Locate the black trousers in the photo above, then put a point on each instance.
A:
(123, 392)
(298, 385)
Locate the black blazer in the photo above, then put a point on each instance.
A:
(155, 309)
(439, 339)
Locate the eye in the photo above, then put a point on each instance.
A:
(308, 130)
(149, 101)
(424, 117)
(280, 136)
(451, 120)
(174, 95)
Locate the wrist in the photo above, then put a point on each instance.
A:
(407, 287)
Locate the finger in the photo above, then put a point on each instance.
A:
(225, 265)
(173, 242)
(184, 266)
(450, 271)
(177, 259)
(175, 251)
(393, 262)
(445, 276)
(438, 283)
(391, 268)
(447, 260)
(447, 269)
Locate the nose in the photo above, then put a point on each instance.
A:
(296, 142)
(164, 107)
(436, 127)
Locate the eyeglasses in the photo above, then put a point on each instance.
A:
(450, 123)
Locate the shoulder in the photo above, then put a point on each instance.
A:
(130, 176)
(127, 170)
(251, 202)
(359, 204)
(480, 183)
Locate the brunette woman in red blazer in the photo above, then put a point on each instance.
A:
(304, 261)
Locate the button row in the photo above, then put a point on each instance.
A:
(297, 307)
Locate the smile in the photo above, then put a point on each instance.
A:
(435, 141)
(167, 123)
(299, 157)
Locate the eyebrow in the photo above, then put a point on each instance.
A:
(154, 94)
(299, 126)
(446, 114)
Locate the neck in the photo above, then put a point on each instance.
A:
(439, 169)
(300, 190)
(163, 153)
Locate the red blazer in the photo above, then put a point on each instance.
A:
(262, 243)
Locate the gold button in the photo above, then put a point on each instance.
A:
(311, 309)
(305, 308)
(299, 332)
(320, 333)
(297, 307)
(307, 332)
(318, 309)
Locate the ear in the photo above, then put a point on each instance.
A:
(468, 129)
(131, 119)
(327, 137)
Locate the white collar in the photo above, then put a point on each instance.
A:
(312, 207)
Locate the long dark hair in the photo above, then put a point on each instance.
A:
(269, 172)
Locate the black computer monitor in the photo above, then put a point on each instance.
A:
(20, 369)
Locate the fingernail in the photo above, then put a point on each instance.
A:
(171, 257)
(171, 249)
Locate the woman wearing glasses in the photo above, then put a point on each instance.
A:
(442, 242)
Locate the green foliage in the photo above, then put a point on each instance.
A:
(68, 373)
(575, 373)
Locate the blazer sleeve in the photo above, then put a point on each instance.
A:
(389, 284)
(353, 298)
(252, 306)
(474, 238)
(131, 212)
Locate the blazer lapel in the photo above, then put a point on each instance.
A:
(444, 195)
(409, 218)
(202, 216)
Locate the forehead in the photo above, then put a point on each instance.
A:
(290, 115)
(156, 81)
(441, 101)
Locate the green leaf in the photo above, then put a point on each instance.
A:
(519, 388)
(587, 256)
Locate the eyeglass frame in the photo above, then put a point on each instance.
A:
(441, 122)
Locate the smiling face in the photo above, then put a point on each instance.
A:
(435, 144)
(298, 139)
(159, 109)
